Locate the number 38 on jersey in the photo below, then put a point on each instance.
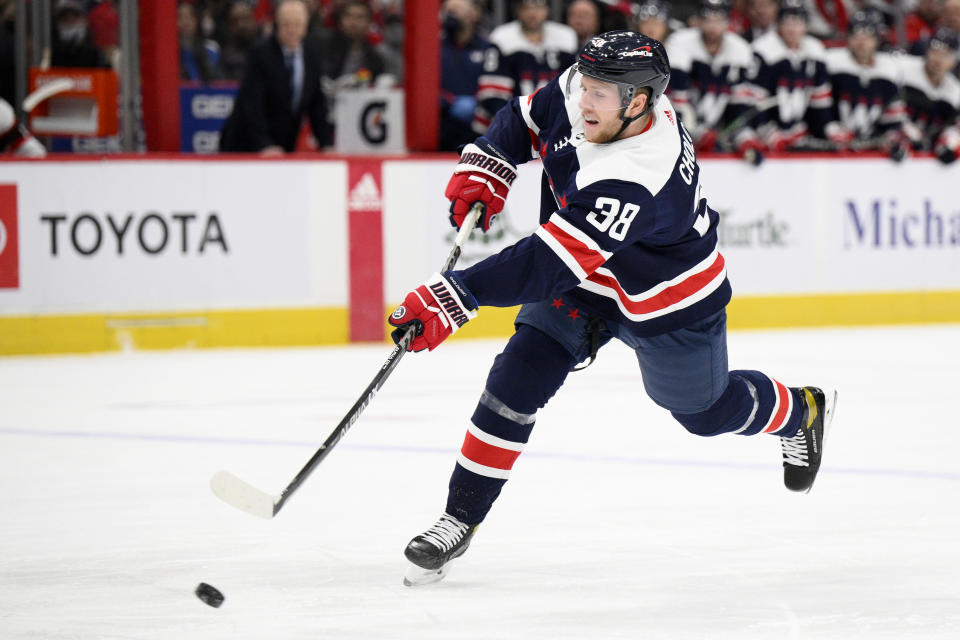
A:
(611, 218)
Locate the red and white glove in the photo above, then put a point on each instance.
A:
(838, 134)
(484, 174)
(781, 140)
(437, 308)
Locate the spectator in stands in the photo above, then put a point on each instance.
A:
(463, 53)
(922, 21)
(829, 19)
(651, 19)
(866, 93)
(932, 96)
(792, 86)
(281, 84)
(391, 48)
(104, 24)
(199, 58)
(350, 60)
(950, 18)
(708, 81)
(583, 17)
(241, 32)
(71, 45)
(531, 51)
(762, 18)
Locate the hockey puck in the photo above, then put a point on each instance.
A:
(209, 594)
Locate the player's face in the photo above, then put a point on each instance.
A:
(863, 44)
(532, 16)
(713, 26)
(653, 27)
(600, 105)
(792, 30)
(940, 61)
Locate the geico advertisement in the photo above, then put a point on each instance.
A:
(788, 226)
(154, 236)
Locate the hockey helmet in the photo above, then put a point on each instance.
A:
(714, 7)
(867, 20)
(651, 9)
(631, 61)
(792, 8)
(944, 38)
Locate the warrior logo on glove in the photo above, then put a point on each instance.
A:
(484, 175)
(435, 310)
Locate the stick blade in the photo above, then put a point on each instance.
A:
(242, 495)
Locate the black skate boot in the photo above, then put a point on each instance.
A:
(432, 551)
(802, 453)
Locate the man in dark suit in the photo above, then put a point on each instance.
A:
(281, 83)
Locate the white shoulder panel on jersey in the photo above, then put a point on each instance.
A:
(912, 74)
(7, 116)
(770, 47)
(840, 60)
(811, 47)
(559, 37)
(683, 47)
(736, 50)
(509, 38)
(647, 159)
(885, 67)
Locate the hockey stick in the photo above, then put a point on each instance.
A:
(244, 496)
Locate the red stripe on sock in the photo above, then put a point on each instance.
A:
(782, 410)
(488, 455)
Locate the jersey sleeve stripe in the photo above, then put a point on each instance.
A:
(683, 291)
(573, 246)
(526, 104)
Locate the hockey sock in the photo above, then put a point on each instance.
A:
(752, 403)
(523, 378)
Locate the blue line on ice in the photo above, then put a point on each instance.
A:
(108, 435)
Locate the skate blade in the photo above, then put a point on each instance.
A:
(418, 576)
(829, 408)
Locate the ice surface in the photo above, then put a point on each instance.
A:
(616, 523)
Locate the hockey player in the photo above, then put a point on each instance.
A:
(708, 81)
(15, 138)
(866, 95)
(531, 51)
(792, 78)
(932, 96)
(626, 249)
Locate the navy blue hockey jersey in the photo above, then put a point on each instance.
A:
(520, 67)
(933, 112)
(710, 91)
(866, 98)
(797, 85)
(625, 230)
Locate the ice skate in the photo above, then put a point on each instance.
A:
(803, 452)
(431, 552)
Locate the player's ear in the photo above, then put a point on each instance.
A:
(638, 104)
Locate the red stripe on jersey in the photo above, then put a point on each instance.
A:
(530, 97)
(534, 140)
(823, 95)
(493, 86)
(783, 405)
(476, 450)
(588, 259)
(670, 296)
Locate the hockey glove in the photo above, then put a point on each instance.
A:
(484, 174)
(839, 135)
(436, 309)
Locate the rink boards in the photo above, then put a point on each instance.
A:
(169, 252)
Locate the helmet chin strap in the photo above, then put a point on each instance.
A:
(628, 121)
